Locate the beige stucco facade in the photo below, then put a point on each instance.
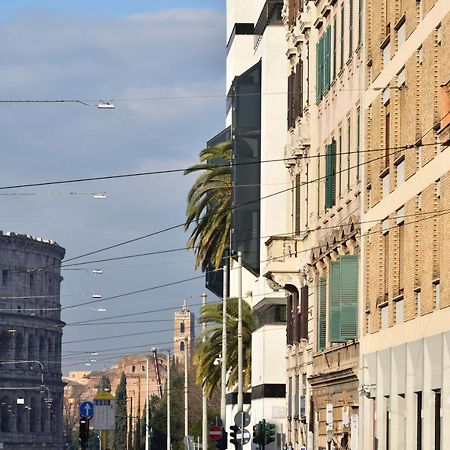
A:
(405, 316)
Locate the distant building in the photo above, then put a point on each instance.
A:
(31, 388)
(184, 333)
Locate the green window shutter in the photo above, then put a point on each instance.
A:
(322, 319)
(334, 301)
(349, 297)
(317, 72)
(330, 175)
(328, 58)
(320, 68)
(334, 45)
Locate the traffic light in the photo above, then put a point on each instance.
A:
(234, 438)
(258, 432)
(269, 433)
(83, 436)
(221, 444)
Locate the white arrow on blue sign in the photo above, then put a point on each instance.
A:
(87, 409)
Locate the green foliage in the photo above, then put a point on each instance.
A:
(207, 352)
(209, 205)
(105, 384)
(121, 414)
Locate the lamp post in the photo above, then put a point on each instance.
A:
(223, 403)
(204, 402)
(240, 396)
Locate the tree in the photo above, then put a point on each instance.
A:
(209, 205)
(209, 351)
(121, 413)
(105, 384)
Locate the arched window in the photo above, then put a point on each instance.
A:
(182, 346)
(182, 327)
(133, 368)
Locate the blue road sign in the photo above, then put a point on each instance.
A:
(87, 409)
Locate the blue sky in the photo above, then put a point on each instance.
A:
(10, 9)
(122, 50)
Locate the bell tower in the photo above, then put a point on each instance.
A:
(184, 333)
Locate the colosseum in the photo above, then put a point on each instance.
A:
(31, 388)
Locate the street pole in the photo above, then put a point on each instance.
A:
(168, 401)
(147, 407)
(186, 398)
(240, 396)
(204, 402)
(223, 397)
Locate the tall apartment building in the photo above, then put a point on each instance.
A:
(405, 364)
(256, 115)
(318, 264)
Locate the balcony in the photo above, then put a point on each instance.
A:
(284, 256)
(271, 13)
(337, 361)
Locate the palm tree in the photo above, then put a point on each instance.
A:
(208, 352)
(209, 205)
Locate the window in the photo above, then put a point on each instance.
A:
(400, 168)
(335, 30)
(438, 188)
(419, 420)
(401, 248)
(182, 346)
(323, 61)
(297, 397)
(385, 184)
(437, 419)
(418, 300)
(133, 368)
(297, 203)
(419, 201)
(387, 138)
(420, 55)
(182, 327)
(289, 398)
(343, 298)
(322, 316)
(439, 34)
(384, 313)
(401, 35)
(437, 294)
(420, 7)
(360, 22)
(401, 78)
(330, 177)
(31, 280)
(4, 277)
(386, 54)
(143, 368)
(385, 231)
(399, 308)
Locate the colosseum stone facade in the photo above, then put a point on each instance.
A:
(31, 388)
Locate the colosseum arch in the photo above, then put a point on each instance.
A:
(31, 347)
(5, 344)
(42, 349)
(34, 415)
(44, 416)
(18, 351)
(5, 414)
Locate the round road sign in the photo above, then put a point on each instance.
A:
(215, 433)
